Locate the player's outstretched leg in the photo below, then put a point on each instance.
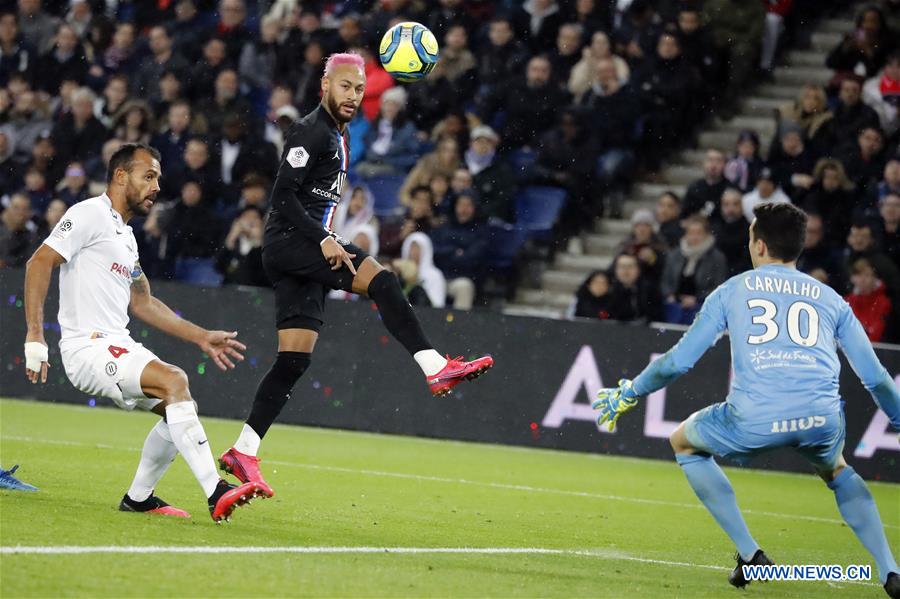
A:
(170, 384)
(384, 289)
(859, 511)
(158, 453)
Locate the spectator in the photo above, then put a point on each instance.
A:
(703, 195)
(644, 243)
(391, 144)
(791, 162)
(191, 226)
(766, 191)
(529, 105)
(52, 215)
(692, 272)
(65, 59)
(566, 53)
(162, 59)
(38, 191)
(458, 62)
(864, 159)
(172, 142)
(890, 182)
(732, 232)
(281, 115)
(668, 213)
(868, 299)
(447, 15)
(74, 186)
(861, 244)
(79, 135)
(614, 107)
(255, 193)
(743, 170)
(115, 94)
(226, 101)
(592, 16)
(776, 11)
(16, 54)
(737, 28)
(188, 29)
(134, 122)
(305, 78)
(231, 29)
(637, 32)
(96, 167)
(377, 82)
(240, 258)
(832, 197)
(444, 160)
(538, 21)
(197, 167)
(502, 60)
(819, 259)
(354, 210)
(45, 161)
(170, 90)
(408, 273)
(593, 297)
(10, 170)
(17, 232)
(890, 227)
(666, 83)
(240, 153)
(419, 217)
(440, 192)
(119, 57)
(37, 27)
(350, 33)
(698, 49)
(584, 73)
(418, 249)
(851, 115)
(810, 111)
(80, 17)
(492, 179)
(631, 297)
(882, 94)
(259, 57)
(203, 74)
(27, 120)
(864, 51)
(460, 250)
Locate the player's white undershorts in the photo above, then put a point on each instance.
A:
(110, 367)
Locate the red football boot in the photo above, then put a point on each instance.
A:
(228, 497)
(151, 505)
(244, 467)
(457, 371)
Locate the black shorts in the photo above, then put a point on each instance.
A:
(302, 278)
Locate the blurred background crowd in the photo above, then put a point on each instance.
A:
(534, 125)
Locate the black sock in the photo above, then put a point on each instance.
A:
(275, 389)
(396, 313)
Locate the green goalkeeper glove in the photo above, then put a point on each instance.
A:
(613, 402)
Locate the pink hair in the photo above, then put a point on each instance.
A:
(336, 60)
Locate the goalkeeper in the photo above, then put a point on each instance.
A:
(785, 327)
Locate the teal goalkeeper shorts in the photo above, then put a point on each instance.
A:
(717, 431)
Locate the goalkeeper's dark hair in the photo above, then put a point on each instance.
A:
(782, 226)
(124, 157)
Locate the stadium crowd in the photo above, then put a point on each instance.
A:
(581, 95)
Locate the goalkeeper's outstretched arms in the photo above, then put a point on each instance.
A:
(708, 326)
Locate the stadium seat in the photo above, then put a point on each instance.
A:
(386, 191)
(505, 242)
(538, 208)
(521, 160)
(198, 271)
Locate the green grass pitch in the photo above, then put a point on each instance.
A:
(590, 526)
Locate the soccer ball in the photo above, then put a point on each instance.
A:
(408, 51)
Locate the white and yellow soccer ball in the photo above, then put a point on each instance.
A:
(408, 51)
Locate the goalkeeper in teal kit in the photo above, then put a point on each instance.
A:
(784, 329)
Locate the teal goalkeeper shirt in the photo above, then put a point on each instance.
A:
(785, 328)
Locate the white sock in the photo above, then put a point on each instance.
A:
(158, 453)
(430, 361)
(248, 441)
(190, 439)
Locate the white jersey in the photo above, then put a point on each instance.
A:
(95, 282)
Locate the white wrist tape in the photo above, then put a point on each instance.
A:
(35, 353)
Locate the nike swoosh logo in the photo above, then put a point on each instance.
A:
(203, 441)
(118, 232)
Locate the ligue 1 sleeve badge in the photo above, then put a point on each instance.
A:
(298, 157)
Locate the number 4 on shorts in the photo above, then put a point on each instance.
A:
(117, 351)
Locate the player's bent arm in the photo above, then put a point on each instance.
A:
(873, 375)
(157, 314)
(38, 271)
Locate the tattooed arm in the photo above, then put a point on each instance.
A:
(219, 345)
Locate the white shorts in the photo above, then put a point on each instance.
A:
(110, 367)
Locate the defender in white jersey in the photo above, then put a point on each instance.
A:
(100, 279)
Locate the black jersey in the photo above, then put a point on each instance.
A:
(310, 179)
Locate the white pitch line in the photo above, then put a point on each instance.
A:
(463, 481)
(343, 550)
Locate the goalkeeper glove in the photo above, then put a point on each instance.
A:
(613, 402)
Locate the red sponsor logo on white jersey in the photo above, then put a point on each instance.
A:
(121, 269)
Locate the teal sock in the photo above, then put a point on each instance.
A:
(861, 514)
(713, 489)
